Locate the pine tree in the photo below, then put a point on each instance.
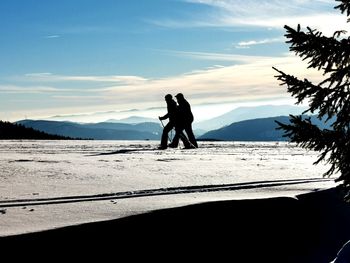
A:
(329, 99)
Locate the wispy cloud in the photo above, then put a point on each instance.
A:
(263, 7)
(327, 23)
(52, 36)
(317, 14)
(27, 89)
(78, 97)
(50, 77)
(191, 23)
(247, 44)
(250, 80)
(216, 56)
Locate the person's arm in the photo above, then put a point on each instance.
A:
(164, 117)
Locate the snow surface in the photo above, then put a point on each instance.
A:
(48, 184)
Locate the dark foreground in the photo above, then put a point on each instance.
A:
(311, 229)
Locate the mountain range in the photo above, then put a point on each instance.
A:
(12, 131)
(231, 126)
(235, 115)
(248, 113)
(133, 120)
(97, 131)
(263, 129)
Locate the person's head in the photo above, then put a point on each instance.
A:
(168, 97)
(179, 97)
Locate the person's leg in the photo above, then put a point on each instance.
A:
(184, 140)
(175, 142)
(190, 135)
(166, 130)
(178, 135)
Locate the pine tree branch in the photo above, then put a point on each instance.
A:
(304, 90)
(328, 101)
(324, 53)
(307, 135)
(344, 7)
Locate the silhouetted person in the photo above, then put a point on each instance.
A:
(172, 116)
(184, 121)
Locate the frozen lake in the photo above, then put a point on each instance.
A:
(46, 184)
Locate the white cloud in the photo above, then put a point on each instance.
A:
(39, 74)
(216, 56)
(326, 23)
(318, 14)
(260, 42)
(52, 36)
(27, 89)
(50, 77)
(251, 80)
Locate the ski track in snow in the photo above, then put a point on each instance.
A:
(153, 192)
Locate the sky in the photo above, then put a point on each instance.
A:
(91, 60)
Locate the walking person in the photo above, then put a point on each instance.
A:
(185, 119)
(172, 115)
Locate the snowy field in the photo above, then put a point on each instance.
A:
(48, 184)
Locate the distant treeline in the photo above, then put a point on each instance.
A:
(13, 131)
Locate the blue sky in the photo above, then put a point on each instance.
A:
(81, 57)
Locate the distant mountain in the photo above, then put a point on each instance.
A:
(111, 116)
(199, 132)
(263, 129)
(248, 113)
(141, 127)
(139, 120)
(19, 132)
(98, 131)
(134, 120)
